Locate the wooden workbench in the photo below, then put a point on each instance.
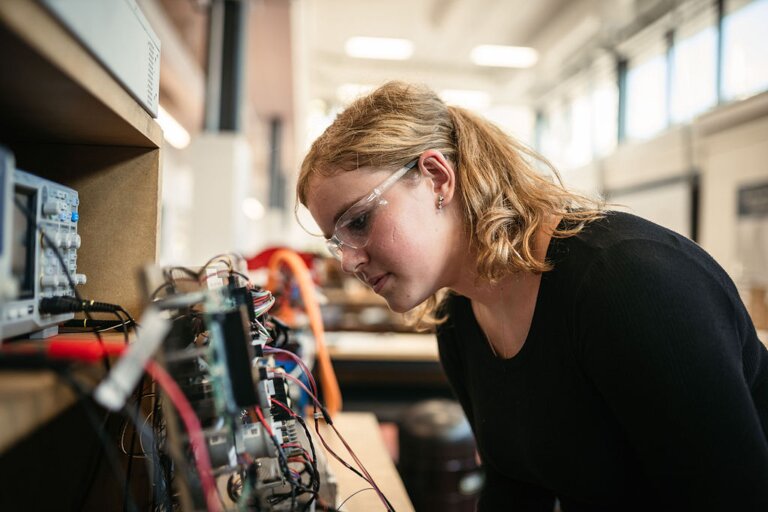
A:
(361, 431)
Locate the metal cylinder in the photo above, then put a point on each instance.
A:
(437, 457)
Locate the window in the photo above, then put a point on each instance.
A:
(578, 148)
(694, 70)
(647, 95)
(517, 121)
(605, 106)
(745, 46)
(552, 133)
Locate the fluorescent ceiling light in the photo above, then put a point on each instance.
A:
(504, 56)
(471, 99)
(173, 132)
(379, 48)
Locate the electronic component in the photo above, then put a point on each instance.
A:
(252, 430)
(30, 264)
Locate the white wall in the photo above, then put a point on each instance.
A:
(731, 151)
(222, 166)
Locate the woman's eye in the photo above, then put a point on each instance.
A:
(359, 223)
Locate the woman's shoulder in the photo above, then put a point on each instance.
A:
(620, 244)
(616, 227)
(618, 233)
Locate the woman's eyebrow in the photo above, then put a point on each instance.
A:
(343, 209)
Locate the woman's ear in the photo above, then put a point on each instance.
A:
(440, 171)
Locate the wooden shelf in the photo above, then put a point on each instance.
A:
(29, 399)
(66, 118)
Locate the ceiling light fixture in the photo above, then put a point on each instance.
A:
(379, 48)
(504, 56)
(467, 98)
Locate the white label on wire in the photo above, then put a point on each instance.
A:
(113, 391)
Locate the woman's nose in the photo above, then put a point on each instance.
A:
(351, 259)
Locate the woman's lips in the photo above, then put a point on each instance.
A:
(379, 283)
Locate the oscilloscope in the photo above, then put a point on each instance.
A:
(30, 268)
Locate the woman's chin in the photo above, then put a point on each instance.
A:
(398, 308)
(401, 305)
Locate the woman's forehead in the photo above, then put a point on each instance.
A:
(342, 186)
(328, 195)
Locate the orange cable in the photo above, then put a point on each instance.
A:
(328, 381)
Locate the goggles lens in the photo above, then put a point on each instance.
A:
(353, 228)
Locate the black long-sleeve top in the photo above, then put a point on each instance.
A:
(642, 384)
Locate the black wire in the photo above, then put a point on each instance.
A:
(240, 274)
(317, 482)
(221, 257)
(125, 329)
(338, 509)
(81, 326)
(112, 456)
(162, 472)
(139, 391)
(148, 434)
(128, 316)
(33, 221)
(295, 485)
(153, 295)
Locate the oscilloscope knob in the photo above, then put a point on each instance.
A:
(71, 240)
(54, 240)
(51, 207)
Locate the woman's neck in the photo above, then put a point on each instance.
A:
(506, 290)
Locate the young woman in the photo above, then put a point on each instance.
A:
(602, 360)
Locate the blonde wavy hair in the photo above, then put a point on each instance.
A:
(503, 198)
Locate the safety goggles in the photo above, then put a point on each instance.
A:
(353, 228)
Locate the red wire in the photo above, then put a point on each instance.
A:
(281, 404)
(263, 421)
(194, 430)
(301, 384)
(298, 361)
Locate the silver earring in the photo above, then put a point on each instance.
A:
(440, 202)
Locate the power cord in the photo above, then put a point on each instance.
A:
(66, 304)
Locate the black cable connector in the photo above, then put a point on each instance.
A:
(65, 304)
